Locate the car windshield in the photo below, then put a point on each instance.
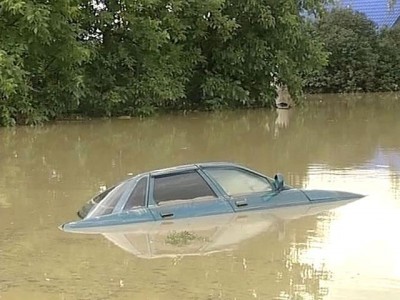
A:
(239, 182)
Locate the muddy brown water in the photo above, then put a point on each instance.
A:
(350, 143)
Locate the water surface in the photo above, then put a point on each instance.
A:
(335, 142)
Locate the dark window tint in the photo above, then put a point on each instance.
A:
(184, 186)
(138, 196)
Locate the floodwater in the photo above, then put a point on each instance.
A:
(349, 143)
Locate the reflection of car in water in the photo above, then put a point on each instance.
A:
(191, 191)
(206, 235)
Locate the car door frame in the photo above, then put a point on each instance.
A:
(196, 209)
(137, 214)
(244, 202)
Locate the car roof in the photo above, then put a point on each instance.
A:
(189, 167)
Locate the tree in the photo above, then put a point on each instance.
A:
(115, 57)
(145, 53)
(387, 70)
(253, 47)
(351, 40)
(40, 59)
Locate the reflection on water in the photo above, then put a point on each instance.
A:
(344, 143)
(205, 235)
(347, 246)
(282, 120)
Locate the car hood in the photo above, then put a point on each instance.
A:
(325, 195)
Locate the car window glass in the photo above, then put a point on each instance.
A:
(107, 205)
(138, 196)
(84, 211)
(102, 195)
(184, 186)
(239, 182)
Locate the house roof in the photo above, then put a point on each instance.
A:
(378, 11)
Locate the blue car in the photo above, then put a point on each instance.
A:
(191, 191)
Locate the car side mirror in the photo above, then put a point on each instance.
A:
(279, 182)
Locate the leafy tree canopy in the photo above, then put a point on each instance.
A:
(361, 56)
(114, 57)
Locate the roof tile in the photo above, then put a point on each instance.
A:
(378, 11)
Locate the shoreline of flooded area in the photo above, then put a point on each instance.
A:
(333, 142)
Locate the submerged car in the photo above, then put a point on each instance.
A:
(191, 191)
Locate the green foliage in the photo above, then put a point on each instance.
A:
(40, 60)
(263, 43)
(121, 57)
(182, 238)
(387, 70)
(143, 60)
(361, 57)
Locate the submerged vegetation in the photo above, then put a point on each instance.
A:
(182, 238)
(118, 57)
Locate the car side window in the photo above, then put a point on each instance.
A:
(183, 186)
(239, 182)
(138, 196)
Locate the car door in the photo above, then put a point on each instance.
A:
(244, 189)
(184, 194)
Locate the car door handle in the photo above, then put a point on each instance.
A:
(166, 215)
(241, 203)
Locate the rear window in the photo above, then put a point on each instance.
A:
(107, 205)
(84, 211)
